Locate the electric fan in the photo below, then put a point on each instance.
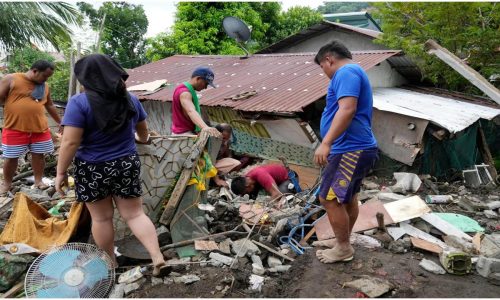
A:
(73, 270)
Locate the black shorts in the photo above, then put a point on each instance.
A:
(118, 177)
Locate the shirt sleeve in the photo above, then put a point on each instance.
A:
(347, 84)
(142, 115)
(74, 115)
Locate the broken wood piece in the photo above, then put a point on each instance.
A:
(184, 178)
(406, 209)
(191, 241)
(476, 241)
(273, 251)
(303, 242)
(425, 245)
(444, 226)
(14, 290)
(205, 245)
(380, 222)
(415, 232)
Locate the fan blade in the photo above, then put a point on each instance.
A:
(60, 291)
(53, 265)
(95, 270)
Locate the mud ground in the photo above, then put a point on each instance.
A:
(309, 278)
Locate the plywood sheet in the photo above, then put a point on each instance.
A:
(366, 220)
(406, 209)
(205, 245)
(425, 245)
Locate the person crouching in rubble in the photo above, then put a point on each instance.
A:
(99, 127)
(348, 149)
(186, 115)
(272, 177)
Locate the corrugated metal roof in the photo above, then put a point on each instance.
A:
(314, 30)
(448, 113)
(285, 83)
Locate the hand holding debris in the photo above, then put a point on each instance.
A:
(61, 181)
(321, 155)
(212, 131)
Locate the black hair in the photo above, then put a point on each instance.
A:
(334, 48)
(223, 127)
(238, 185)
(42, 65)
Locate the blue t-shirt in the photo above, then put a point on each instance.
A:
(350, 81)
(97, 146)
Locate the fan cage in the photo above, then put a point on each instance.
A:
(35, 280)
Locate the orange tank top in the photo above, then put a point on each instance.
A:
(22, 112)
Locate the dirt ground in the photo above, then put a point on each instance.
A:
(309, 278)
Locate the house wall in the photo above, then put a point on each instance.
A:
(383, 75)
(353, 41)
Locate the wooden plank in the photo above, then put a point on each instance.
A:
(486, 153)
(273, 251)
(425, 245)
(407, 209)
(303, 242)
(14, 290)
(444, 226)
(366, 220)
(476, 241)
(205, 245)
(181, 184)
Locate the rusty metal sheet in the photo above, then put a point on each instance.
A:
(285, 82)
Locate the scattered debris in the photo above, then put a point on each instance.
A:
(221, 258)
(371, 286)
(456, 262)
(186, 279)
(256, 282)
(130, 287)
(488, 267)
(432, 267)
(205, 245)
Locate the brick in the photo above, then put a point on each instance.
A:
(486, 266)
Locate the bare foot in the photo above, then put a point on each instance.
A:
(4, 189)
(330, 243)
(329, 256)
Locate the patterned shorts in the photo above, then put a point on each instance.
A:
(344, 173)
(118, 177)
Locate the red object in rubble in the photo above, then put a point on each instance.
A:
(361, 295)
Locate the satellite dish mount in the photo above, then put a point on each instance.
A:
(237, 30)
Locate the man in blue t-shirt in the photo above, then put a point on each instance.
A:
(348, 150)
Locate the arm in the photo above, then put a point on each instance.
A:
(340, 123)
(5, 84)
(51, 109)
(71, 140)
(141, 132)
(194, 116)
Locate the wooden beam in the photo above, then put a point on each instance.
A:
(188, 168)
(14, 290)
(467, 72)
(486, 153)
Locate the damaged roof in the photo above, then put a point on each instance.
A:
(448, 113)
(284, 83)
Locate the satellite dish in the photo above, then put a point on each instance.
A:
(238, 30)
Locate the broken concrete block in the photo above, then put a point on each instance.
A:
(490, 246)
(130, 287)
(245, 247)
(370, 185)
(493, 205)
(156, 281)
(390, 197)
(409, 182)
(256, 260)
(371, 286)
(186, 279)
(279, 269)
(258, 269)
(225, 246)
(490, 214)
(459, 243)
(486, 266)
(256, 282)
(117, 291)
(221, 258)
(273, 261)
(431, 266)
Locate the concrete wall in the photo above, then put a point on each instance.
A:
(383, 75)
(353, 41)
